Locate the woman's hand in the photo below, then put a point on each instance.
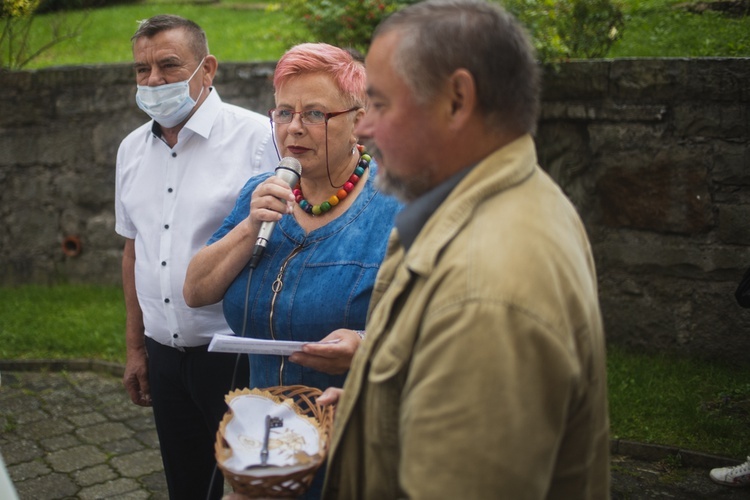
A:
(271, 200)
(332, 355)
(215, 266)
(330, 396)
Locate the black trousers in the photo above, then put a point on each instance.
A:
(187, 390)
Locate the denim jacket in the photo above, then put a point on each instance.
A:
(324, 281)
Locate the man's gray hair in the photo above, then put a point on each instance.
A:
(164, 22)
(437, 37)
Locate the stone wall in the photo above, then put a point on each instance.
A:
(59, 133)
(654, 153)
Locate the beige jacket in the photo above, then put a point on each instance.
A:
(483, 371)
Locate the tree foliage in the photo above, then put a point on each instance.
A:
(18, 8)
(344, 23)
(570, 29)
(16, 46)
(560, 29)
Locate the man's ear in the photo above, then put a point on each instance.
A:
(210, 65)
(462, 92)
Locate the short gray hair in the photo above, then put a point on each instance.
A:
(196, 36)
(437, 37)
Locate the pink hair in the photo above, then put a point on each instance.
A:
(347, 73)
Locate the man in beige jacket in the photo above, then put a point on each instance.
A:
(482, 373)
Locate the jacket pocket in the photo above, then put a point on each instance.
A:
(389, 361)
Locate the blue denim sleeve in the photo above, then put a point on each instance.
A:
(241, 208)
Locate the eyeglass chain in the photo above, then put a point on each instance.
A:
(359, 170)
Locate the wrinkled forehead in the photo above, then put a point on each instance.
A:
(166, 43)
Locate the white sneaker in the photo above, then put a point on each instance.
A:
(738, 475)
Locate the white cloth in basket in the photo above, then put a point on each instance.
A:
(292, 446)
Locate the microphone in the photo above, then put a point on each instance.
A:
(289, 170)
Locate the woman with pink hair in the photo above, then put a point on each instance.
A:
(318, 270)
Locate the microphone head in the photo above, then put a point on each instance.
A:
(289, 162)
(289, 170)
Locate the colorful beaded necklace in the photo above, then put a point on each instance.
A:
(364, 162)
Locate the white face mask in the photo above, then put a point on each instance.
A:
(168, 104)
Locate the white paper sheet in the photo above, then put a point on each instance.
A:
(230, 343)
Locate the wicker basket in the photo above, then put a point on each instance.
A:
(282, 486)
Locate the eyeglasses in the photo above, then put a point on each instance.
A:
(309, 117)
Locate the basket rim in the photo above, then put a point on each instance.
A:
(321, 415)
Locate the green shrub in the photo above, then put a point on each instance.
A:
(344, 23)
(569, 29)
(16, 20)
(17, 8)
(590, 27)
(16, 17)
(560, 29)
(64, 5)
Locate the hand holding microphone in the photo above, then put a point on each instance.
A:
(288, 170)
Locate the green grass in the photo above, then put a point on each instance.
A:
(689, 403)
(236, 32)
(658, 399)
(243, 30)
(67, 321)
(656, 28)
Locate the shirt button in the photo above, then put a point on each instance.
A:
(169, 190)
(174, 335)
(166, 301)
(174, 155)
(166, 226)
(164, 263)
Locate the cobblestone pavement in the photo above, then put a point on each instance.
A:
(77, 435)
(67, 433)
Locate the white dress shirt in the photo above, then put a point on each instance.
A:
(171, 200)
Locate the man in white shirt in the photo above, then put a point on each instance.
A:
(178, 176)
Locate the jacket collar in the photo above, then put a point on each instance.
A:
(503, 169)
(413, 217)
